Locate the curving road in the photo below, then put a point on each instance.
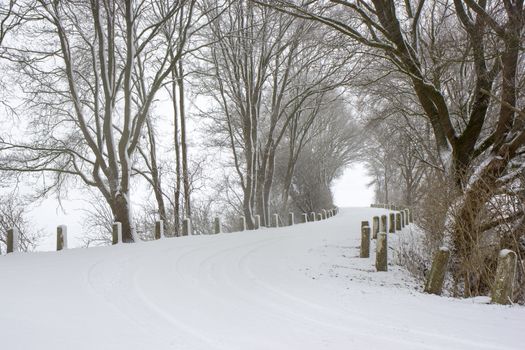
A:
(300, 287)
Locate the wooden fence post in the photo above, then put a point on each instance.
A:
(257, 222)
(12, 240)
(403, 220)
(375, 226)
(242, 223)
(305, 218)
(61, 237)
(291, 219)
(325, 216)
(392, 223)
(383, 226)
(217, 225)
(505, 273)
(116, 233)
(275, 222)
(382, 252)
(187, 230)
(436, 277)
(398, 221)
(365, 242)
(159, 229)
(410, 218)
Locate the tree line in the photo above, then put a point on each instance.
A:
(444, 92)
(99, 97)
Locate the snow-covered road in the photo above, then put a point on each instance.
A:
(300, 287)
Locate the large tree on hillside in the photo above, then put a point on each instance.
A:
(438, 46)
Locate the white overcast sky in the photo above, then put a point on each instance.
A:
(351, 190)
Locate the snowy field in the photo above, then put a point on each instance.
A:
(300, 287)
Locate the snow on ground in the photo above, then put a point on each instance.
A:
(301, 287)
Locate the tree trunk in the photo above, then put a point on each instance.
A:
(184, 148)
(251, 172)
(176, 145)
(122, 213)
(259, 193)
(466, 229)
(287, 183)
(269, 179)
(155, 176)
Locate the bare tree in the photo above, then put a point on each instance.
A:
(14, 214)
(267, 67)
(102, 45)
(334, 143)
(481, 51)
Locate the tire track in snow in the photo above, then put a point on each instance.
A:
(200, 294)
(124, 296)
(284, 299)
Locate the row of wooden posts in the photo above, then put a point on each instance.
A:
(503, 287)
(187, 230)
(277, 222)
(505, 271)
(381, 225)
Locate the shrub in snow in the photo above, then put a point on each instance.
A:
(413, 252)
